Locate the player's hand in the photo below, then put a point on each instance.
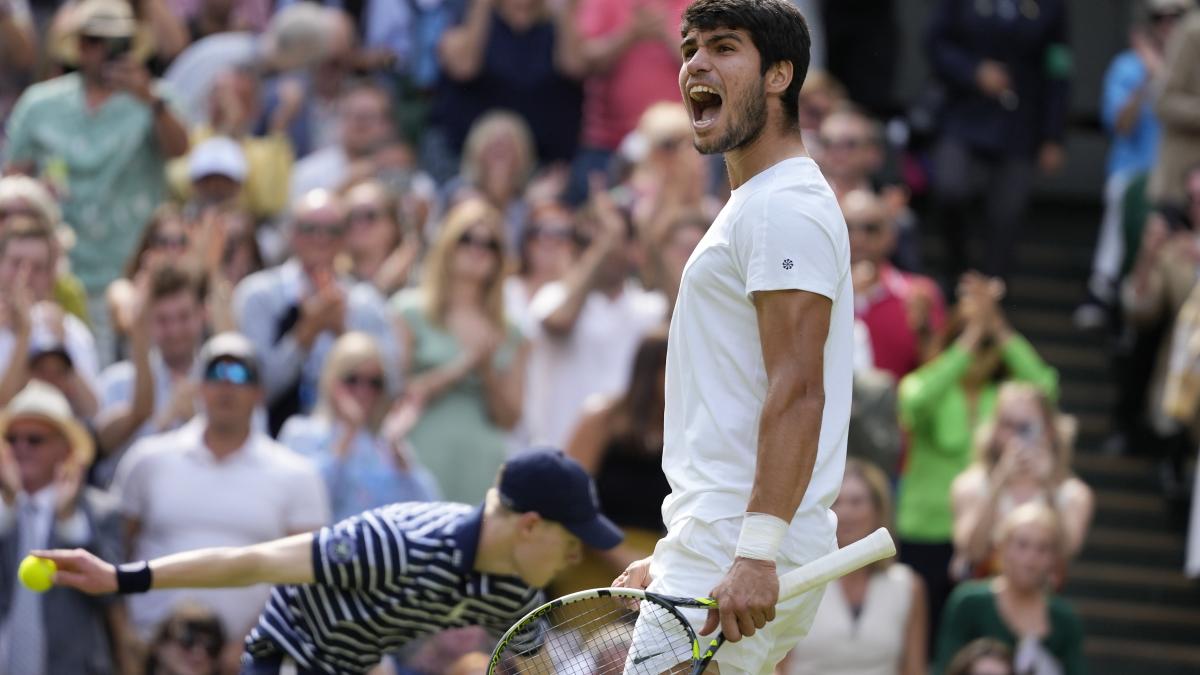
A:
(746, 599)
(82, 571)
(637, 575)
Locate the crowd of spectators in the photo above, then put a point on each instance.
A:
(266, 264)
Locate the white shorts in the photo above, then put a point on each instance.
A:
(693, 558)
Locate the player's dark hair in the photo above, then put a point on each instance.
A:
(776, 27)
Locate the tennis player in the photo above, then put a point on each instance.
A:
(759, 357)
(371, 583)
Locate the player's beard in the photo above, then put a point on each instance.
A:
(746, 123)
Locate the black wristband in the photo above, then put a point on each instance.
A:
(134, 577)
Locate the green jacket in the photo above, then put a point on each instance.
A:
(934, 412)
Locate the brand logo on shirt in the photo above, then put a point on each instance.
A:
(340, 548)
(788, 264)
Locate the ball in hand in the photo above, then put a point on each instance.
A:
(37, 573)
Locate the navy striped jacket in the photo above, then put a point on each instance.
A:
(383, 578)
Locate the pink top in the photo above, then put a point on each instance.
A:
(644, 75)
(885, 312)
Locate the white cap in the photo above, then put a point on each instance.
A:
(218, 156)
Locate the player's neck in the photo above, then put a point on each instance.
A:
(771, 147)
(494, 554)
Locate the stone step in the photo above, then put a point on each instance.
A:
(1123, 656)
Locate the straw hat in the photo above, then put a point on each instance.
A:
(101, 18)
(43, 402)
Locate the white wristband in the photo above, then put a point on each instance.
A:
(761, 536)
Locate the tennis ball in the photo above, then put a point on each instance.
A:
(37, 573)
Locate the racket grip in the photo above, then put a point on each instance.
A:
(872, 548)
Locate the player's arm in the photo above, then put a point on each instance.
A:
(793, 326)
(283, 561)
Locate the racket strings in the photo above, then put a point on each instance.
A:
(605, 636)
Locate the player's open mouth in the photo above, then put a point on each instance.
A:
(705, 105)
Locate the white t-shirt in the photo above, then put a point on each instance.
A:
(184, 499)
(780, 230)
(595, 359)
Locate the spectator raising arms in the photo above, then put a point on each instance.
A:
(942, 404)
(1016, 606)
(872, 621)
(1024, 456)
(465, 361)
(357, 445)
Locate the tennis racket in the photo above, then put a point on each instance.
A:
(623, 630)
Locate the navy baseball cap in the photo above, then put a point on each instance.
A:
(557, 488)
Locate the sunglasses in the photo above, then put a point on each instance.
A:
(670, 144)
(482, 242)
(114, 47)
(311, 229)
(868, 228)
(160, 241)
(364, 215)
(1163, 17)
(191, 637)
(353, 381)
(230, 372)
(555, 233)
(31, 440)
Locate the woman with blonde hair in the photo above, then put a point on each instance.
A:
(1024, 456)
(1017, 607)
(873, 621)
(498, 161)
(465, 362)
(355, 434)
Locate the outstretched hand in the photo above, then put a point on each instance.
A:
(745, 598)
(79, 569)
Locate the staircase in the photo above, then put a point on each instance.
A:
(1140, 614)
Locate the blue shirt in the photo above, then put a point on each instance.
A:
(367, 477)
(384, 578)
(1134, 151)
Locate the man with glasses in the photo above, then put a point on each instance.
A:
(102, 134)
(215, 482)
(294, 312)
(44, 455)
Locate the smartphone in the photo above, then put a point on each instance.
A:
(116, 48)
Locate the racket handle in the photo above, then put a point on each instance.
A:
(872, 548)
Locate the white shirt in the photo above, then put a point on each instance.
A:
(185, 499)
(780, 230)
(595, 359)
(77, 340)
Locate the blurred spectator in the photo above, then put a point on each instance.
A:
(1152, 295)
(1128, 116)
(355, 436)
(466, 363)
(903, 312)
(44, 456)
(942, 404)
(498, 162)
(385, 28)
(586, 327)
(820, 95)
(874, 435)
(629, 50)
(1006, 66)
(517, 55)
(25, 196)
(215, 482)
(217, 171)
(38, 339)
(296, 37)
(155, 391)
(851, 150)
(1024, 456)
(364, 116)
(984, 656)
(100, 136)
(214, 16)
(380, 249)
(671, 249)
(1016, 607)
(546, 249)
(1175, 105)
(188, 642)
(872, 621)
(619, 442)
(862, 39)
(18, 52)
(160, 35)
(295, 311)
(266, 160)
